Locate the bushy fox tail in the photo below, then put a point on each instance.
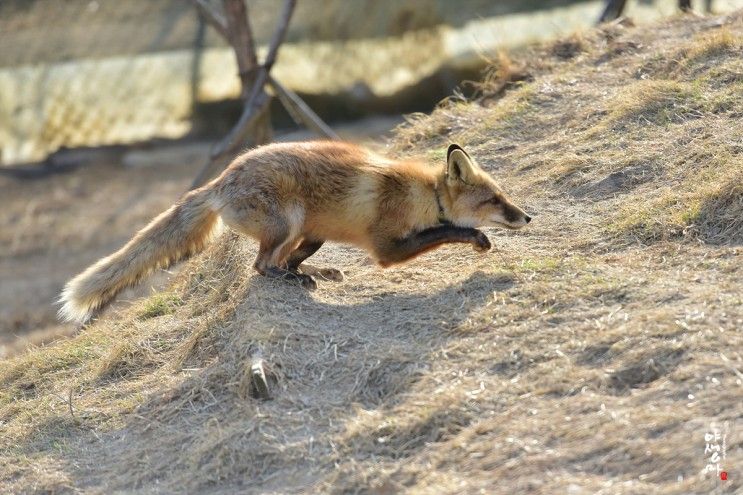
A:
(180, 231)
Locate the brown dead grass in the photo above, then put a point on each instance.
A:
(586, 354)
(52, 228)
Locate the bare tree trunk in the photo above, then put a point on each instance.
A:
(254, 125)
(198, 52)
(613, 10)
(241, 38)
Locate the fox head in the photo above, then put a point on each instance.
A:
(476, 200)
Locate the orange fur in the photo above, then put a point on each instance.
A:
(292, 197)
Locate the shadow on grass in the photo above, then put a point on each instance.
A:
(331, 358)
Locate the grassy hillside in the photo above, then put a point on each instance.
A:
(589, 353)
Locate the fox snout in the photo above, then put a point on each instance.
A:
(514, 216)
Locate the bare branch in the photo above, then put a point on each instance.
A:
(257, 100)
(250, 39)
(233, 140)
(240, 35)
(612, 10)
(279, 34)
(300, 111)
(212, 16)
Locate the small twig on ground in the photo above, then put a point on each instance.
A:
(69, 404)
(258, 380)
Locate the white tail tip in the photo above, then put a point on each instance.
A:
(72, 310)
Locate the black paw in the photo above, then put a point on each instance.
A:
(294, 276)
(480, 242)
(331, 274)
(307, 281)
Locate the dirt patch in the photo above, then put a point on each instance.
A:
(616, 182)
(644, 370)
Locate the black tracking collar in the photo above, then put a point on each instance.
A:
(442, 215)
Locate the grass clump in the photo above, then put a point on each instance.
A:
(160, 304)
(126, 359)
(712, 45)
(503, 75)
(705, 53)
(665, 217)
(719, 218)
(656, 102)
(705, 204)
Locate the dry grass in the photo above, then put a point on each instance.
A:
(51, 228)
(586, 354)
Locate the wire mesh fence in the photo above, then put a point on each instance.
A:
(89, 73)
(86, 73)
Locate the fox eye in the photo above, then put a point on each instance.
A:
(495, 200)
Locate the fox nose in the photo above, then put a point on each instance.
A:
(527, 218)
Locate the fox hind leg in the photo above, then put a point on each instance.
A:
(276, 245)
(307, 248)
(267, 265)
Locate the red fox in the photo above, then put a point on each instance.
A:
(293, 197)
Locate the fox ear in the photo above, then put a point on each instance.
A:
(453, 147)
(459, 165)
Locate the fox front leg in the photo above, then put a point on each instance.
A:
(418, 243)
